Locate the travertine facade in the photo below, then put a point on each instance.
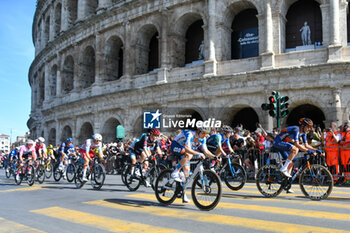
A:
(92, 66)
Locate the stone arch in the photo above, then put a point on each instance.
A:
(193, 113)
(180, 30)
(72, 8)
(109, 129)
(52, 137)
(147, 49)
(86, 131)
(87, 68)
(243, 115)
(53, 81)
(298, 13)
(35, 89)
(67, 82)
(47, 30)
(66, 133)
(286, 4)
(57, 21)
(194, 48)
(306, 110)
(39, 35)
(114, 58)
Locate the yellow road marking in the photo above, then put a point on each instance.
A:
(9, 226)
(104, 223)
(269, 209)
(259, 225)
(21, 189)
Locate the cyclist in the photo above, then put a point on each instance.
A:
(66, 148)
(143, 148)
(51, 153)
(40, 148)
(287, 142)
(13, 155)
(188, 144)
(88, 150)
(26, 151)
(219, 143)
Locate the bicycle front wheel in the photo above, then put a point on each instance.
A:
(269, 181)
(235, 177)
(8, 171)
(78, 180)
(70, 172)
(48, 170)
(98, 176)
(132, 181)
(207, 196)
(316, 182)
(57, 174)
(40, 172)
(30, 175)
(165, 187)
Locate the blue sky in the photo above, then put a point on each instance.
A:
(16, 55)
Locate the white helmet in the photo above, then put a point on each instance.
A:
(204, 129)
(97, 137)
(41, 139)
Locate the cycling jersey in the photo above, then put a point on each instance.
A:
(145, 142)
(65, 148)
(283, 139)
(41, 147)
(187, 138)
(13, 154)
(215, 140)
(89, 145)
(25, 151)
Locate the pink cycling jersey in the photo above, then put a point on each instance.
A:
(25, 150)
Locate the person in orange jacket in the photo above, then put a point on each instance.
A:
(331, 142)
(345, 151)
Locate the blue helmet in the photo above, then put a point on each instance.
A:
(69, 140)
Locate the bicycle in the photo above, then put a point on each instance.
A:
(26, 173)
(232, 173)
(95, 172)
(48, 168)
(133, 181)
(315, 181)
(40, 170)
(206, 189)
(11, 168)
(71, 168)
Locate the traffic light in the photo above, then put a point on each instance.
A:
(273, 105)
(284, 106)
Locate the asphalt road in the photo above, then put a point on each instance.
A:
(60, 207)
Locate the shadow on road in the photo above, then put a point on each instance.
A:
(142, 203)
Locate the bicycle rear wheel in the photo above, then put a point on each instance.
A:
(208, 195)
(165, 187)
(8, 171)
(269, 180)
(236, 178)
(57, 174)
(30, 175)
(124, 170)
(48, 170)
(98, 176)
(316, 182)
(70, 172)
(40, 172)
(154, 173)
(131, 180)
(78, 180)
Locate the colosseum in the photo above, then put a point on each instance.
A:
(100, 63)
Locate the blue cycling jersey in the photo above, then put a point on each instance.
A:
(13, 153)
(288, 134)
(65, 148)
(187, 138)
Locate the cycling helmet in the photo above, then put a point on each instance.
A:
(97, 137)
(41, 139)
(204, 129)
(227, 129)
(155, 132)
(306, 122)
(30, 141)
(50, 147)
(69, 140)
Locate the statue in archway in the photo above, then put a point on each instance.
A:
(201, 51)
(306, 34)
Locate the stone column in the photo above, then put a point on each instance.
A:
(163, 71)
(335, 48)
(267, 57)
(103, 5)
(337, 105)
(58, 78)
(64, 16)
(99, 58)
(210, 64)
(52, 23)
(47, 84)
(325, 24)
(42, 33)
(127, 50)
(81, 10)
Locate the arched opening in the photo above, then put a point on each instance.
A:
(348, 26)
(87, 68)
(72, 8)
(194, 49)
(147, 58)
(109, 130)
(245, 35)
(66, 133)
(191, 115)
(304, 24)
(247, 117)
(52, 137)
(153, 55)
(309, 111)
(86, 131)
(57, 25)
(35, 90)
(47, 30)
(39, 35)
(114, 59)
(68, 75)
(42, 89)
(91, 7)
(52, 81)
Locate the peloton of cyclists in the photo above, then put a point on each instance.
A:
(88, 150)
(189, 144)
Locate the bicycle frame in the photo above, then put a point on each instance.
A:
(199, 169)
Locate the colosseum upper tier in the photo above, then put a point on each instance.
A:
(100, 63)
